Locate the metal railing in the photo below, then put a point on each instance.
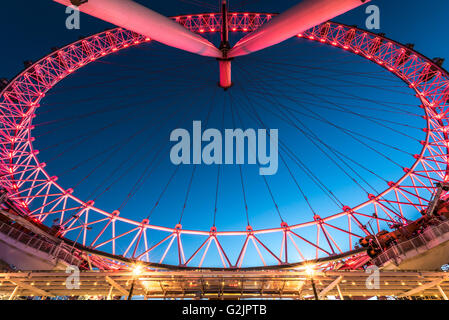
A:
(422, 240)
(60, 251)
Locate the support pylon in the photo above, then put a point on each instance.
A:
(224, 63)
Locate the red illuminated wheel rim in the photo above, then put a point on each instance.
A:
(40, 196)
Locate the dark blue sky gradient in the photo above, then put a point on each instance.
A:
(29, 31)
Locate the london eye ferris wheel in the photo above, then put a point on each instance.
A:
(349, 126)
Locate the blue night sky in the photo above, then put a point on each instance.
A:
(141, 94)
(29, 33)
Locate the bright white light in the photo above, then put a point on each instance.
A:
(137, 270)
(310, 270)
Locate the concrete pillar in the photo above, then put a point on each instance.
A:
(339, 293)
(13, 293)
(443, 294)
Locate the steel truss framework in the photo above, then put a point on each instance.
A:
(225, 285)
(40, 196)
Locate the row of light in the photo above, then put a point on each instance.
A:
(368, 56)
(137, 270)
(233, 28)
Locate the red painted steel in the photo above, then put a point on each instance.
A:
(133, 16)
(303, 16)
(30, 186)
